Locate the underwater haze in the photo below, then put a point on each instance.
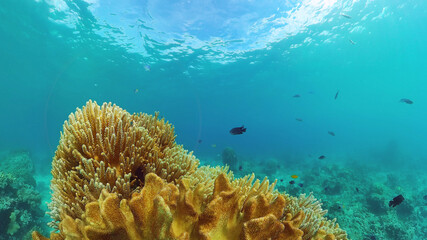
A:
(343, 79)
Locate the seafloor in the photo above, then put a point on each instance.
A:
(354, 193)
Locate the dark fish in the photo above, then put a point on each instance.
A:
(336, 94)
(405, 100)
(322, 157)
(357, 189)
(352, 42)
(425, 197)
(291, 182)
(300, 184)
(200, 141)
(298, 119)
(345, 15)
(240, 168)
(281, 180)
(331, 133)
(238, 130)
(396, 201)
(296, 96)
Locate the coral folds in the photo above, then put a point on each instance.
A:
(122, 176)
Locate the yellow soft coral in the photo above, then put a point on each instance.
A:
(122, 176)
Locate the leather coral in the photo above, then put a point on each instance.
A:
(118, 175)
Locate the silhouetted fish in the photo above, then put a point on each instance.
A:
(200, 141)
(396, 201)
(405, 100)
(357, 189)
(352, 42)
(425, 197)
(240, 168)
(300, 184)
(291, 182)
(238, 130)
(331, 133)
(322, 157)
(296, 96)
(336, 94)
(298, 119)
(345, 15)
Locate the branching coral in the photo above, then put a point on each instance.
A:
(122, 176)
(108, 148)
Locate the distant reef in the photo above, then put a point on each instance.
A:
(20, 211)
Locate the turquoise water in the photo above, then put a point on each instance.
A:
(209, 66)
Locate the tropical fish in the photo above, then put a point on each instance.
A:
(331, 133)
(396, 201)
(136, 90)
(294, 176)
(147, 67)
(213, 145)
(300, 184)
(336, 95)
(345, 15)
(296, 96)
(405, 100)
(322, 157)
(238, 130)
(298, 119)
(240, 168)
(292, 182)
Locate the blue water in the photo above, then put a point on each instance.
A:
(209, 66)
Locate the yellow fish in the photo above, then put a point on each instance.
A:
(136, 90)
(294, 176)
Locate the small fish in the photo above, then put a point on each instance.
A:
(396, 201)
(213, 145)
(357, 189)
(136, 90)
(425, 197)
(345, 15)
(322, 157)
(331, 133)
(147, 68)
(240, 168)
(294, 176)
(405, 100)
(281, 180)
(200, 141)
(336, 94)
(238, 130)
(296, 96)
(300, 184)
(292, 182)
(298, 119)
(352, 42)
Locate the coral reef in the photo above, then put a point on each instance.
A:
(361, 204)
(122, 176)
(20, 210)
